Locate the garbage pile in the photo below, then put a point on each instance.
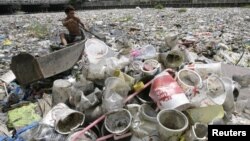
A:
(154, 75)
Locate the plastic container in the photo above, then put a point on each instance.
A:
(167, 93)
(115, 93)
(172, 59)
(61, 91)
(204, 70)
(198, 132)
(150, 67)
(63, 118)
(95, 50)
(172, 124)
(118, 121)
(215, 89)
(189, 80)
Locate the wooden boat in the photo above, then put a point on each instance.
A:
(28, 68)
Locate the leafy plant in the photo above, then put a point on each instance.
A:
(158, 6)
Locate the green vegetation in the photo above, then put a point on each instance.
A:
(38, 30)
(182, 10)
(246, 6)
(72, 2)
(159, 6)
(124, 18)
(76, 3)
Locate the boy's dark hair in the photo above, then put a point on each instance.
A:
(69, 8)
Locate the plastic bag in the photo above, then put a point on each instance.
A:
(146, 52)
(116, 90)
(43, 132)
(106, 67)
(95, 50)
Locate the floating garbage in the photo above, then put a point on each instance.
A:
(115, 93)
(197, 132)
(42, 132)
(118, 121)
(63, 119)
(231, 91)
(204, 70)
(190, 81)
(81, 92)
(61, 91)
(144, 53)
(166, 92)
(88, 136)
(150, 67)
(216, 89)
(205, 114)
(7, 42)
(172, 123)
(23, 116)
(3, 91)
(172, 59)
(8, 77)
(95, 50)
(171, 40)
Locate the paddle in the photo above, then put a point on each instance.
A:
(97, 36)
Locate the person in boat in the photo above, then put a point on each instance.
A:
(74, 26)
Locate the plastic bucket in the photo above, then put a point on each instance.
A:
(95, 50)
(172, 124)
(63, 118)
(118, 121)
(167, 93)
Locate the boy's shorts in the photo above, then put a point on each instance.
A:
(72, 38)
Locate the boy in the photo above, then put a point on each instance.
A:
(72, 23)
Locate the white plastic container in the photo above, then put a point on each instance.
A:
(118, 121)
(189, 80)
(215, 89)
(63, 118)
(172, 124)
(204, 70)
(61, 91)
(152, 63)
(167, 93)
